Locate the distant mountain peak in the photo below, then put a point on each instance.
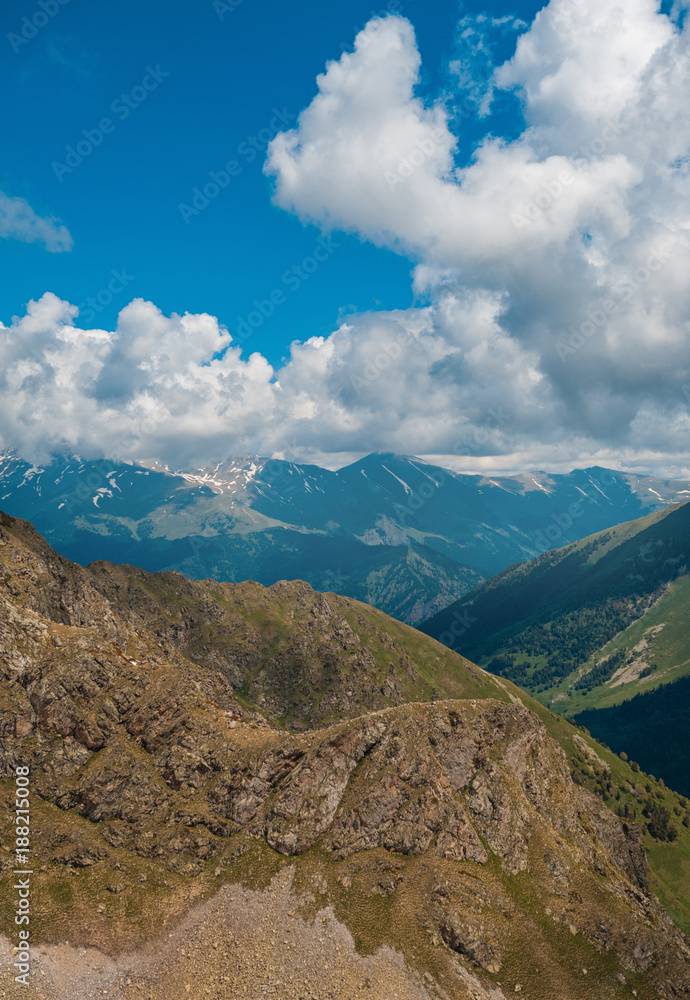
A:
(392, 530)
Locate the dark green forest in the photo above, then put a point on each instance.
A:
(568, 642)
(653, 728)
(535, 623)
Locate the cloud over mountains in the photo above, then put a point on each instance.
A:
(555, 263)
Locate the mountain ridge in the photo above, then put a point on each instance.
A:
(390, 530)
(638, 562)
(448, 829)
(153, 776)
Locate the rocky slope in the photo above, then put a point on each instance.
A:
(302, 657)
(433, 848)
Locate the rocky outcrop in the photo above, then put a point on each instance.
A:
(467, 807)
(470, 938)
(307, 801)
(622, 839)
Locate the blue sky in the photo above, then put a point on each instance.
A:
(502, 195)
(224, 80)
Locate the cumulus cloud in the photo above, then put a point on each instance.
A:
(579, 226)
(177, 388)
(555, 263)
(18, 221)
(369, 158)
(166, 387)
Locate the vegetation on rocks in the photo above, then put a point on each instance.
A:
(184, 736)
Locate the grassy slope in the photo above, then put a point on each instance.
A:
(267, 641)
(669, 863)
(441, 673)
(668, 648)
(533, 592)
(633, 557)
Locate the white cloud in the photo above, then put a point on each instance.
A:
(150, 388)
(18, 221)
(477, 36)
(445, 380)
(563, 220)
(556, 265)
(178, 389)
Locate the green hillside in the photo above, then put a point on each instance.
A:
(627, 789)
(589, 625)
(599, 632)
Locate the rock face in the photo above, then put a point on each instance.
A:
(460, 813)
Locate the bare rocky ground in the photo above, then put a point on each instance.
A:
(241, 943)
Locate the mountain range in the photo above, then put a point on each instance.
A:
(239, 790)
(592, 625)
(393, 531)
